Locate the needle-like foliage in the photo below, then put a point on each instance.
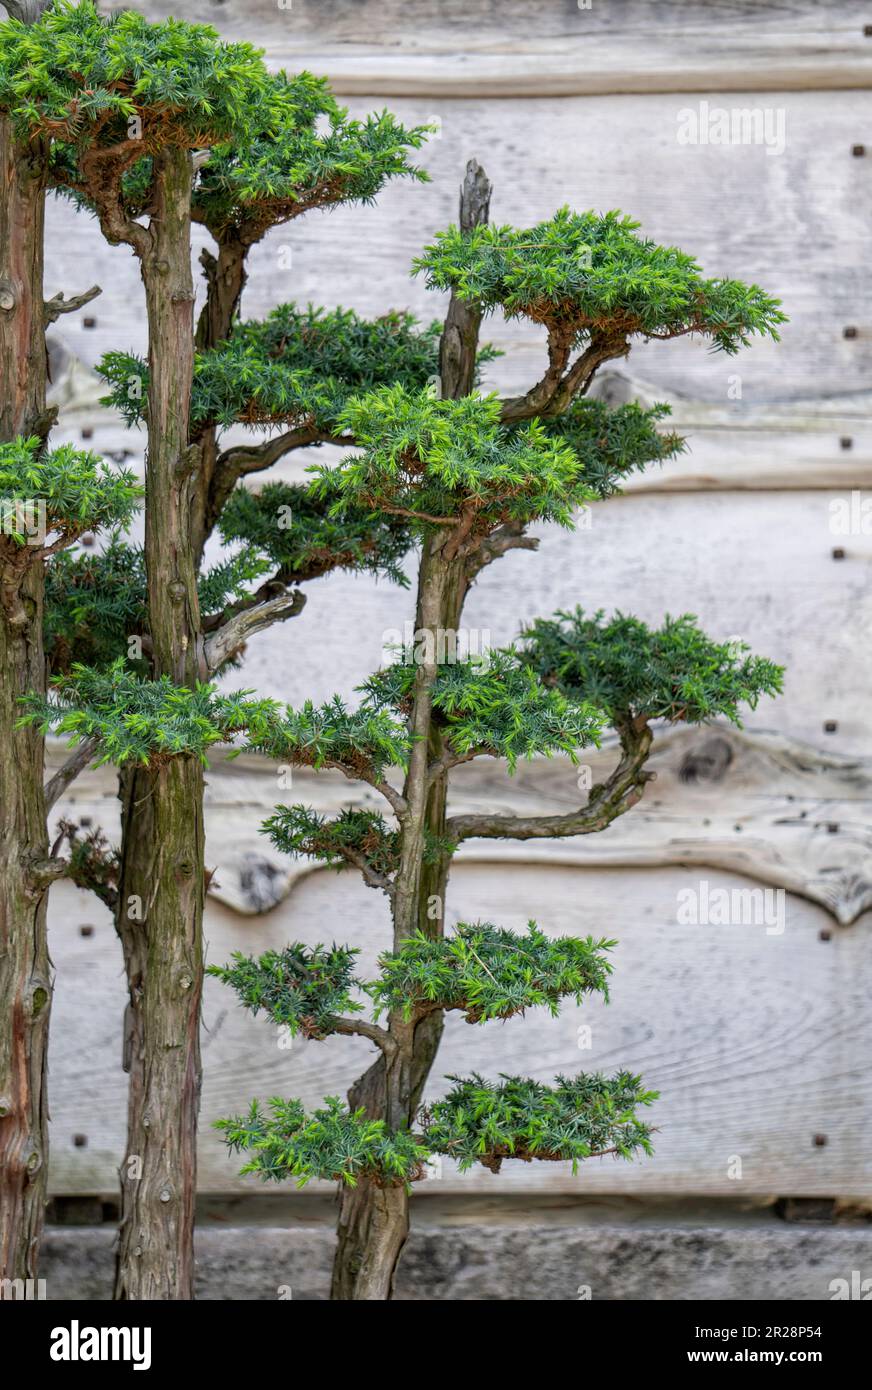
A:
(488, 972)
(96, 600)
(144, 721)
(632, 671)
(313, 155)
(71, 491)
(352, 836)
(333, 1143)
(587, 273)
(497, 707)
(434, 460)
(294, 366)
(82, 78)
(484, 1122)
(301, 988)
(295, 530)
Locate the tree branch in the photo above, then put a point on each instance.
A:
(554, 393)
(57, 305)
(608, 800)
(69, 771)
(357, 1027)
(228, 638)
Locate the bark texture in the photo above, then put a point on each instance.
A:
(372, 1232)
(160, 912)
(25, 969)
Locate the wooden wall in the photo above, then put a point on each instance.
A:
(759, 1042)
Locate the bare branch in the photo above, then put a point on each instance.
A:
(510, 536)
(607, 800)
(367, 873)
(75, 763)
(57, 305)
(228, 638)
(354, 1026)
(555, 392)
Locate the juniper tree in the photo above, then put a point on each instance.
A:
(118, 105)
(468, 474)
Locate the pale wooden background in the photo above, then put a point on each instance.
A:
(758, 1043)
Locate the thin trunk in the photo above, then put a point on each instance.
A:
(25, 969)
(368, 1242)
(225, 280)
(161, 891)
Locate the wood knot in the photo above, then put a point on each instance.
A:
(707, 761)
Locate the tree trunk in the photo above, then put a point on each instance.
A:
(160, 914)
(225, 280)
(25, 969)
(368, 1242)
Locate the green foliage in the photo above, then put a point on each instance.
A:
(79, 492)
(333, 1143)
(294, 528)
(81, 78)
(367, 741)
(488, 972)
(438, 460)
(498, 707)
(585, 273)
(144, 721)
(302, 988)
(300, 831)
(484, 1122)
(310, 154)
(611, 442)
(674, 672)
(96, 600)
(296, 366)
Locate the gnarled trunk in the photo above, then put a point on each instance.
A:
(160, 911)
(25, 970)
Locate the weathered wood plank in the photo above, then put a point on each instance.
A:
(524, 48)
(757, 1041)
(796, 223)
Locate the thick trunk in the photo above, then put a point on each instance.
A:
(368, 1241)
(25, 969)
(160, 913)
(160, 924)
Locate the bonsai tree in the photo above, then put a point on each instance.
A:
(468, 474)
(108, 95)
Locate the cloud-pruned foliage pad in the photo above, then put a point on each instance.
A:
(144, 721)
(484, 1122)
(633, 671)
(591, 273)
(332, 1143)
(80, 492)
(488, 972)
(302, 988)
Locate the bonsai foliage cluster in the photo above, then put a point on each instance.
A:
(486, 973)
